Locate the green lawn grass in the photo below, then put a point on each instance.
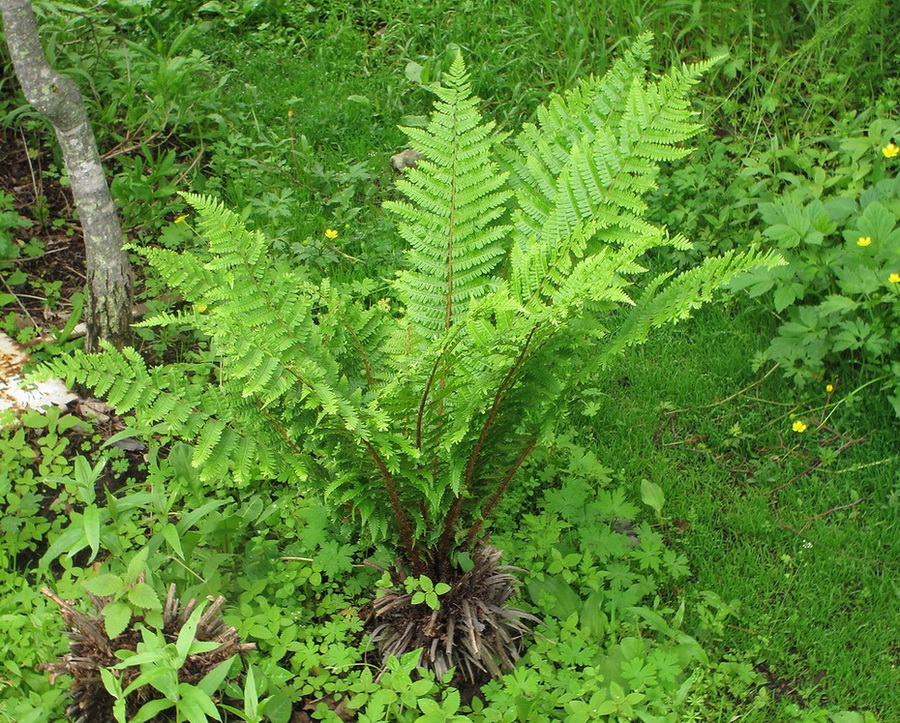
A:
(817, 590)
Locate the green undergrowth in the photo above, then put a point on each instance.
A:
(794, 529)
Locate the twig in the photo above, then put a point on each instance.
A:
(729, 398)
(815, 465)
(309, 559)
(813, 518)
(858, 467)
(37, 191)
(27, 259)
(21, 305)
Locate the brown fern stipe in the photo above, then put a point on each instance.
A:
(90, 649)
(473, 631)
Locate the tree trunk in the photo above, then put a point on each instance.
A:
(109, 281)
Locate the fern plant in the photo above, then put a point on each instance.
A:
(524, 279)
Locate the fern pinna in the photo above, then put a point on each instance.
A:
(524, 278)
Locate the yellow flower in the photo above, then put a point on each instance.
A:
(201, 308)
(290, 114)
(894, 278)
(330, 233)
(829, 388)
(864, 241)
(799, 426)
(180, 218)
(890, 150)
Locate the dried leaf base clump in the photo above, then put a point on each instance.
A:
(473, 630)
(91, 649)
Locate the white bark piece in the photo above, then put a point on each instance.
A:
(17, 397)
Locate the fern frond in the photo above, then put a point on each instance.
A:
(574, 198)
(450, 220)
(665, 300)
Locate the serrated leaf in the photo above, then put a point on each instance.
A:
(144, 597)
(105, 585)
(116, 617)
(787, 294)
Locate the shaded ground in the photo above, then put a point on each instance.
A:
(50, 265)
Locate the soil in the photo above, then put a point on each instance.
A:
(26, 163)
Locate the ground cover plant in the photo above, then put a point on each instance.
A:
(837, 223)
(705, 538)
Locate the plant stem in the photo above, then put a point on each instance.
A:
(443, 547)
(406, 535)
(498, 494)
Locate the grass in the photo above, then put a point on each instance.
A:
(815, 584)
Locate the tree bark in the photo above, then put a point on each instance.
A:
(109, 288)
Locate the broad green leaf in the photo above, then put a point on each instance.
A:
(278, 708)
(137, 564)
(71, 541)
(186, 634)
(203, 646)
(196, 704)
(653, 619)
(150, 710)
(111, 683)
(567, 600)
(607, 707)
(116, 617)
(592, 616)
(695, 649)
(147, 677)
(170, 533)
(105, 585)
(91, 520)
(144, 597)
(251, 697)
(652, 495)
(413, 72)
(215, 677)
